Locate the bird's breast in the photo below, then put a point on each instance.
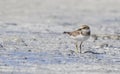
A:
(80, 37)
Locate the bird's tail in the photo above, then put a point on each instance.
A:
(66, 32)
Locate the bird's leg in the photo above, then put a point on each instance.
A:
(76, 47)
(81, 47)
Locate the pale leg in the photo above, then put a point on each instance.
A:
(81, 47)
(76, 47)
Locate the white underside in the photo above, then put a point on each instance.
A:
(80, 37)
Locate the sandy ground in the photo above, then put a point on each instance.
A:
(31, 39)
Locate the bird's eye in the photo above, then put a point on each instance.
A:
(79, 29)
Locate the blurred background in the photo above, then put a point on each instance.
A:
(31, 39)
(71, 14)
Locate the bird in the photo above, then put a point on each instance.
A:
(80, 35)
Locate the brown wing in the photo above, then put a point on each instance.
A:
(74, 33)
